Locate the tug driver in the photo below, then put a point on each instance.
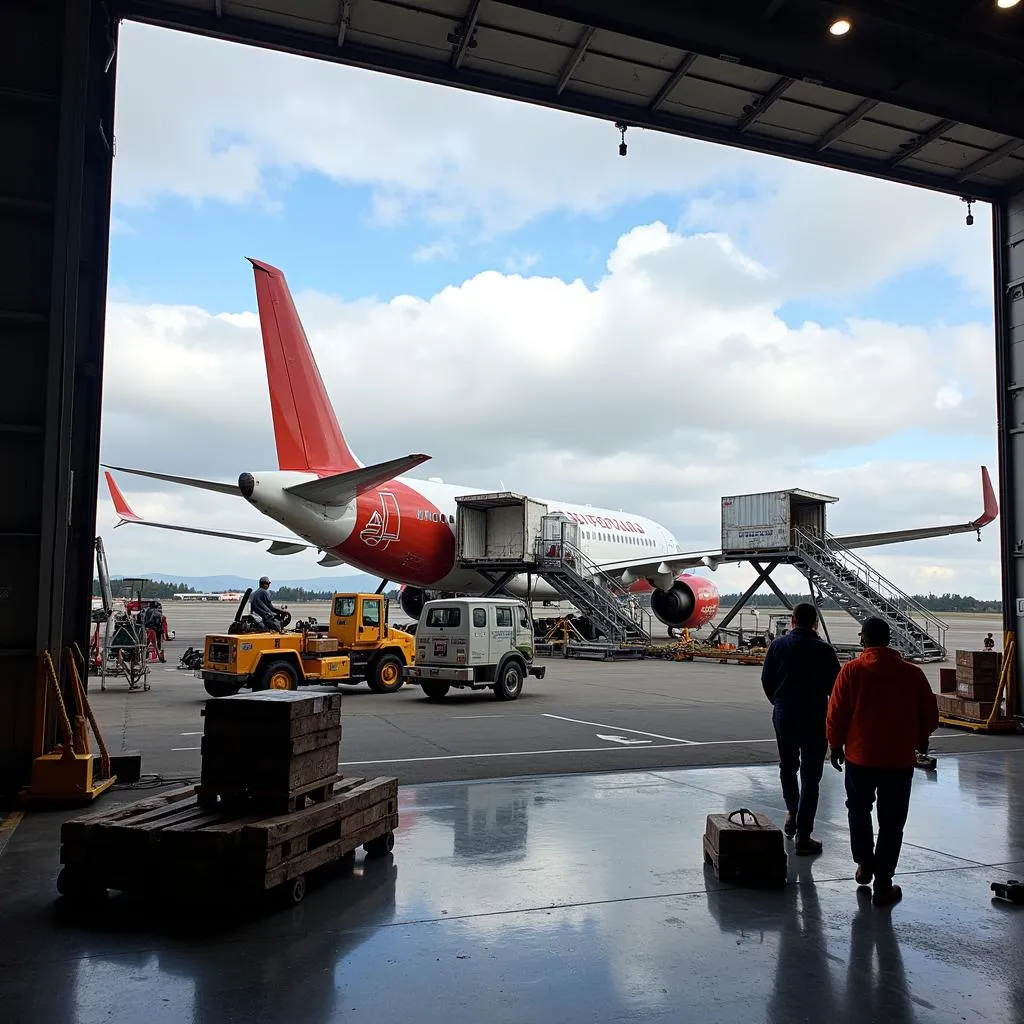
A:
(261, 607)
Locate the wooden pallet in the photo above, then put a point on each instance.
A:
(171, 846)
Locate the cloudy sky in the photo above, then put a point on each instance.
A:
(491, 283)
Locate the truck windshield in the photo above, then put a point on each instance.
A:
(439, 617)
(344, 607)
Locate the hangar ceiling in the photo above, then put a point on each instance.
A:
(927, 92)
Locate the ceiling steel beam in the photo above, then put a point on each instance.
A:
(674, 79)
(425, 69)
(344, 19)
(465, 33)
(763, 103)
(1005, 150)
(925, 139)
(840, 128)
(574, 59)
(868, 71)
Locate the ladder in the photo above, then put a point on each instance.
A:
(863, 592)
(612, 609)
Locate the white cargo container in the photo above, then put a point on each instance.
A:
(766, 521)
(497, 528)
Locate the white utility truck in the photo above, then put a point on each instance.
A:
(476, 642)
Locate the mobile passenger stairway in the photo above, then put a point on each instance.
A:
(504, 535)
(788, 528)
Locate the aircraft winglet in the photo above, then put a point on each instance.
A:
(991, 505)
(121, 506)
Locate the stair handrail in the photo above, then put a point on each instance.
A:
(619, 603)
(888, 590)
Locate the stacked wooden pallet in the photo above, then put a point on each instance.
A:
(970, 696)
(270, 809)
(271, 749)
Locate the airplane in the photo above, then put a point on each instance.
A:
(384, 523)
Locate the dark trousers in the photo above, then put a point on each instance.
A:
(892, 788)
(802, 749)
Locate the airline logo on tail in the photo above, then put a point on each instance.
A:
(384, 525)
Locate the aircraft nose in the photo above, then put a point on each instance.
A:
(246, 484)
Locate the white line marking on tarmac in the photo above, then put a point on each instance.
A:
(465, 718)
(191, 734)
(178, 749)
(537, 753)
(605, 725)
(622, 739)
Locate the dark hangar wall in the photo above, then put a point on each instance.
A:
(56, 122)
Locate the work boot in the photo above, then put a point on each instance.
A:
(864, 874)
(790, 826)
(807, 846)
(886, 894)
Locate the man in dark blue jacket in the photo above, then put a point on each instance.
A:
(799, 672)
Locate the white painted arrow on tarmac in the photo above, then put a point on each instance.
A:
(622, 739)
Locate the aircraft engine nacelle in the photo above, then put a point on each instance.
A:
(691, 602)
(413, 599)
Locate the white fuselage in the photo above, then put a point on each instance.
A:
(605, 535)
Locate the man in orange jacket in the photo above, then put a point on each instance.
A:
(881, 712)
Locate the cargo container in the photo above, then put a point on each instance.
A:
(766, 521)
(499, 528)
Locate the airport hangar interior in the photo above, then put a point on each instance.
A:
(925, 92)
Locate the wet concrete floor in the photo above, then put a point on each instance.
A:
(576, 898)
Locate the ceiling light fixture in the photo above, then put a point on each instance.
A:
(841, 26)
(1007, 4)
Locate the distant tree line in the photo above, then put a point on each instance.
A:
(156, 589)
(933, 602)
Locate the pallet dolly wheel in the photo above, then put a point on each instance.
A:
(294, 890)
(381, 846)
(75, 885)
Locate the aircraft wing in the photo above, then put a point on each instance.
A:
(668, 566)
(665, 566)
(869, 540)
(278, 545)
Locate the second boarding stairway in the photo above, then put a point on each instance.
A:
(863, 592)
(615, 612)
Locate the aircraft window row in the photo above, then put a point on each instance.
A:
(434, 517)
(595, 535)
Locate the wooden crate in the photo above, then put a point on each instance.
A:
(949, 704)
(322, 645)
(947, 680)
(980, 661)
(269, 748)
(171, 847)
(745, 848)
(977, 689)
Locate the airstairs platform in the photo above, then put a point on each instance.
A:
(504, 535)
(792, 532)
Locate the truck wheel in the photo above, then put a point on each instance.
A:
(435, 691)
(386, 674)
(220, 688)
(278, 675)
(510, 681)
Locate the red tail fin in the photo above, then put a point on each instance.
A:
(305, 428)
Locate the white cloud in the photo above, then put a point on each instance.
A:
(433, 252)
(244, 121)
(669, 383)
(518, 262)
